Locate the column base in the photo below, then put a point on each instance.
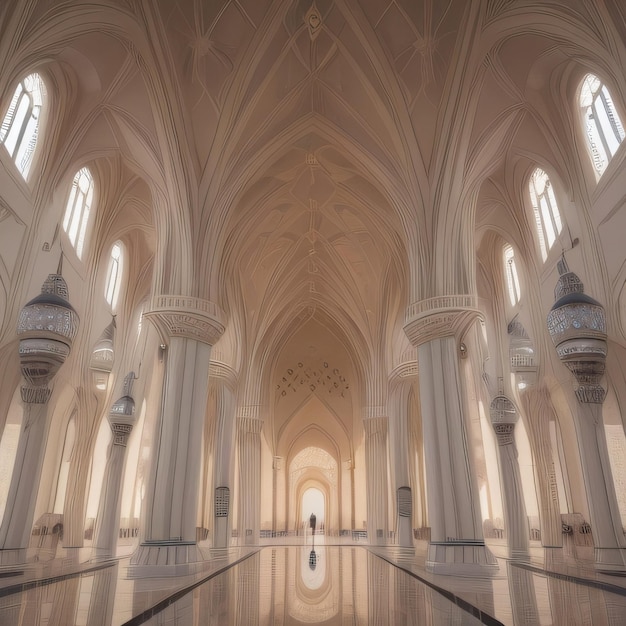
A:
(14, 556)
(461, 558)
(160, 559)
(609, 560)
(101, 554)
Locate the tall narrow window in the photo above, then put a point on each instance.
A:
(546, 210)
(603, 126)
(20, 125)
(114, 274)
(512, 279)
(78, 208)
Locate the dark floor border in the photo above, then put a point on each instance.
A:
(50, 580)
(579, 580)
(144, 616)
(466, 606)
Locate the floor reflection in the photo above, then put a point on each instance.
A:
(331, 585)
(346, 585)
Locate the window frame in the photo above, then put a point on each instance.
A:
(23, 152)
(599, 148)
(512, 279)
(545, 205)
(75, 220)
(113, 283)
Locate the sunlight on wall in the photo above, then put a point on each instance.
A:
(64, 470)
(8, 448)
(491, 503)
(97, 467)
(616, 443)
(557, 455)
(527, 469)
(129, 485)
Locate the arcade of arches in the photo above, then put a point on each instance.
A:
(267, 258)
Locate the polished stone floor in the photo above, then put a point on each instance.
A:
(294, 584)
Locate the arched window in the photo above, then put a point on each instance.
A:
(78, 208)
(603, 126)
(512, 279)
(20, 125)
(546, 210)
(114, 274)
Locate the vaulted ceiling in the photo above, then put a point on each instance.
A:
(307, 156)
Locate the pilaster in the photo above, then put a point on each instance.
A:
(224, 454)
(249, 426)
(121, 420)
(504, 416)
(376, 426)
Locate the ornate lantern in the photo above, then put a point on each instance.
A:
(47, 326)
(577, 325)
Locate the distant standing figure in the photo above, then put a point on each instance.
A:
(312, 521)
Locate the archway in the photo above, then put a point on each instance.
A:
(313, 482)
(313, 502)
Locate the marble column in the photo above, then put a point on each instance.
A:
(401, 464)
(47, 326)
(188, 328)
(122, 419)
(577, 326)
(277, 483)
(224, 457)
(377, 477)
(249, 427)
(20, 507)
(504, 416)
(606, 525)
(457, 544)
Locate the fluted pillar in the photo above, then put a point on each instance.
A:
(606, 524)
(224, 457)
(503, 418)
(249, 427)
(577, 326)
(122, 420)
(188, 328)
(401, 461)
(20, 507)
(376, 430)
(457, 543)
(47, 326)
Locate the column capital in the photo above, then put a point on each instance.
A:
(218, 368)
(590, 394)
(121, 433)
(374, 425)
(249, 424)
(443, 316)
(185, 316)
(504, 433)
(35, 394)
